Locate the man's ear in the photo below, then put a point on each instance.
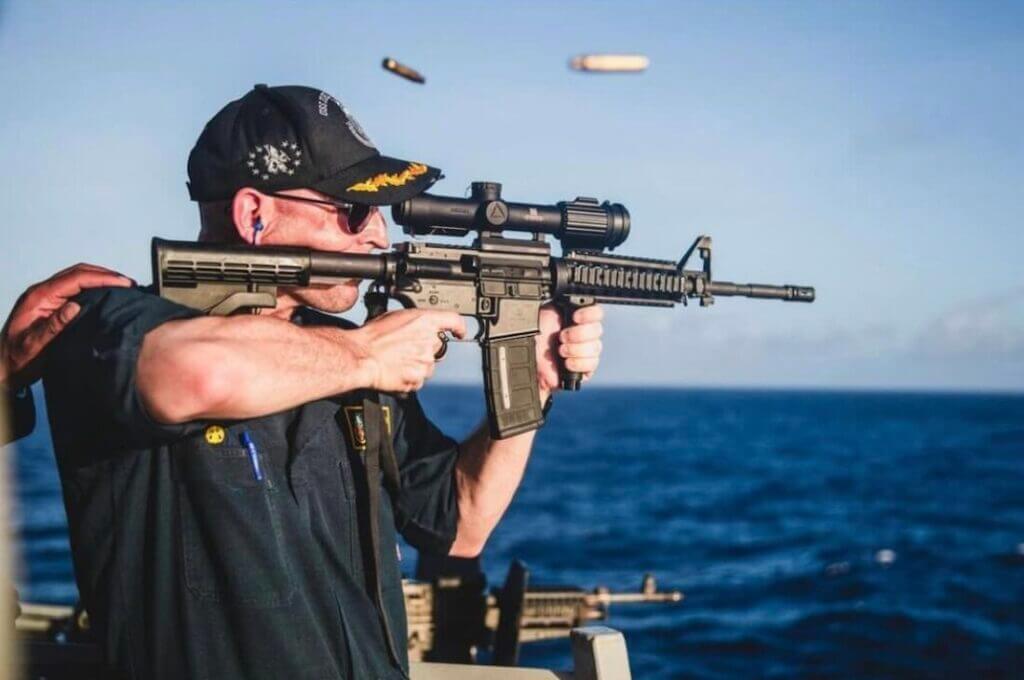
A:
(248, 208)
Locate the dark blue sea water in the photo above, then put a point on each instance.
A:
(815, 534)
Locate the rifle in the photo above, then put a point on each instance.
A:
(501, 281)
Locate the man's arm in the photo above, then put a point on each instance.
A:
(250, 366)
(489, 471)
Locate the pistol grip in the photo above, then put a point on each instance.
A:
(571, 380)
(510, 380)
(376, 304)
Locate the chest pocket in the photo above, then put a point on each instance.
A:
(232, 542)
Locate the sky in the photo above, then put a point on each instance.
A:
(873, 150)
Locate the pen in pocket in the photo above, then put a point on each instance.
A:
(254, 455)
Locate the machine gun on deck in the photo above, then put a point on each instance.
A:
(452, 619)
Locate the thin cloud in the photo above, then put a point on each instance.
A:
(988, 328)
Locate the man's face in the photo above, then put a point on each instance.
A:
(322, 227)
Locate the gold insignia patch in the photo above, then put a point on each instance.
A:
(357, 425)
(215, 434)
(387, 179)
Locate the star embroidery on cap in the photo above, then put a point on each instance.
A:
(276, 160)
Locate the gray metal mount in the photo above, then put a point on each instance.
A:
(598, 653)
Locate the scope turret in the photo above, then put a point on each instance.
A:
(581, 224)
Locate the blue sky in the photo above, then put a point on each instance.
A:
(873, 150)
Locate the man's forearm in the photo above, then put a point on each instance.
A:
(243, 367)
(487, 475)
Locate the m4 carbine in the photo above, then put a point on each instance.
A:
(501, 281)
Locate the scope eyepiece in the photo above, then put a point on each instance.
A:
(581, 224)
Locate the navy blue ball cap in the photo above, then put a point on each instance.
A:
(293, 137)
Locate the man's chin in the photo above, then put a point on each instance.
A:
(333, 300)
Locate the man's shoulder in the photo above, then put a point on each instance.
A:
(131, 301)
(115, 296)
(111, 315)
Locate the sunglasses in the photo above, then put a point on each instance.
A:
(356, 214)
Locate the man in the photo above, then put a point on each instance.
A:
(234, 485)
(40, 313)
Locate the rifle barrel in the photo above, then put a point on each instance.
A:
(626, 598)
(760, 290)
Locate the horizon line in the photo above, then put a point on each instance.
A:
(866, 389)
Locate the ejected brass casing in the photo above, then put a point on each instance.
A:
(401, 69)
(610, 63)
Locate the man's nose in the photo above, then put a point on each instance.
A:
(375, 233)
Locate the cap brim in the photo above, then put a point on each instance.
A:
(380, 180)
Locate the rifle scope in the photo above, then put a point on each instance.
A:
(582, 224)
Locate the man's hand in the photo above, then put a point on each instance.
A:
(398, 348)
(40, 314)
(579, 345)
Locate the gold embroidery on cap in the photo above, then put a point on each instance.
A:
(387, 179)
(215, 434)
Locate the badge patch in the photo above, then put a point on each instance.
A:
(357, 425)
(266, 159)
(353, 125)
(388, 179)
(215, 434)
(356, 129)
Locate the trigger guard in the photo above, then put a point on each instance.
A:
(443, 337)
(481, 330)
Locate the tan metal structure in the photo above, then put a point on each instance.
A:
(598, 653)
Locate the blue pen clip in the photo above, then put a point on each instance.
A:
(254, 455)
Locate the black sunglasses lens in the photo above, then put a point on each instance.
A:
(358, 216)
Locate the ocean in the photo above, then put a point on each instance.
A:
(814, 534)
